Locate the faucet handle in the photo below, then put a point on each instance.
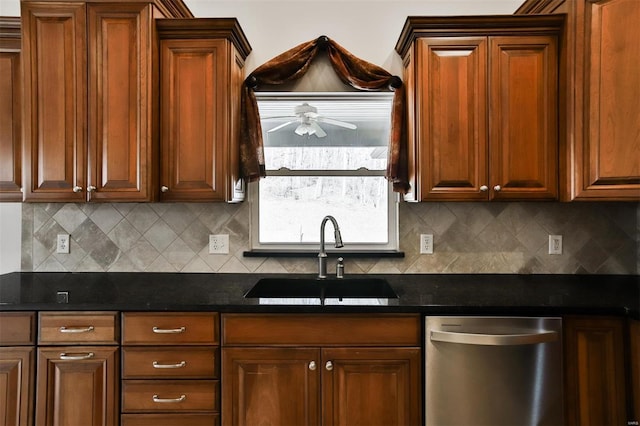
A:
(340, 268)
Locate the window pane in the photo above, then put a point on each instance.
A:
(292, 208)
(326, 158)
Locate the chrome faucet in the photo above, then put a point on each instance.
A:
(322, 256)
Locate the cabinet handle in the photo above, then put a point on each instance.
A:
(77, 357)
(156, 398)
(91, 188)
(164, 188)
(312, 366)
(180, 364)
(169, 330)
(77, 189)
(497, 188)
(484, 188)
(329, 366)
(64, 329)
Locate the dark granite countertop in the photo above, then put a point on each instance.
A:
(441, 294)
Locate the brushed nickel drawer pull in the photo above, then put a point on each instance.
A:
(180, 364)
(64, 329)
(159, 330)
(156, 398)
(77, 357)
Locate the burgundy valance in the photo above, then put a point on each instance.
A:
(353, 71)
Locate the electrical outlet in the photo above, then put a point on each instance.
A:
(555, 244)
(426, 243)
(62, 245)
(219, 244)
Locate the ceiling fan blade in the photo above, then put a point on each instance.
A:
(280, 126)
(337, 123)
(278, 116)
(318, 130)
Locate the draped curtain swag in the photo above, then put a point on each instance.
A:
(292, 65)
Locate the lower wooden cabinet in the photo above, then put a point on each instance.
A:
(77, 385)
(595, 371)
(634, 366)
(170, 369)
(17, 368)
(313, 376)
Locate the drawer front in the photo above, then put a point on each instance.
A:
(140, 328)
(148, 396)
(170, 419)
(163, 362)
(321, 330)
(78, 327)
(17, 328)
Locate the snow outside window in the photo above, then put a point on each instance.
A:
(325, 154)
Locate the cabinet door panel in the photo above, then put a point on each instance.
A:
(270, 386)
(119, 102)
(594, 365)
(193, 118)
(523, 120)
(371, 386)
(16, 386)
(54, 62)
(77, 391)
(453, 134)
(10, 122)
(611, 157)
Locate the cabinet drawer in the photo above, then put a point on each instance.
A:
(78, 327)
(170, 419)
(321, 330)
(192, 362)
(148, 396)
(17, 328)
(169, 328)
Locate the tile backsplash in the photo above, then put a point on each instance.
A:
(598, 238)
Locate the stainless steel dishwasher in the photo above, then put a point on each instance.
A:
(493, 371)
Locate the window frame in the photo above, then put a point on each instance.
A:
(393, 199)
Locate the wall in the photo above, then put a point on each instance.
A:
(10, 237)
(469, 238)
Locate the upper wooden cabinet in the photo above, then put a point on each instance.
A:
(202, 69)
(482, 107)
(89, 93)
(10, 110)
(600, 104)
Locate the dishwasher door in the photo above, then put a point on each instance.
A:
(493, 371)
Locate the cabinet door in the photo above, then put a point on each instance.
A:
(194, 119)
(10, 111)
(120, 155)
(270, 386)
(608, 160)
(523, 122)
(594, 368)
(634, 353)
(77, 385)
(55, 69)
(371, 386)
(16, 386)
(452, 114)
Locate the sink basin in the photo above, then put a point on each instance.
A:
(364, 291)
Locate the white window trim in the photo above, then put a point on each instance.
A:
(393, 199)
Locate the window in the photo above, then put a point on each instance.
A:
(325, 154)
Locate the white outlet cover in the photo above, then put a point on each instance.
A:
(555, 244)
(426, 243)
(62, 244)
(219, 244)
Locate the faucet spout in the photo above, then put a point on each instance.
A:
(322, 255)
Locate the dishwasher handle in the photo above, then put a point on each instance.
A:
(494, 339)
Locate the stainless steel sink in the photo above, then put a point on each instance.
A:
(328, 291)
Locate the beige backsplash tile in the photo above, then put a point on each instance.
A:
(468, 238)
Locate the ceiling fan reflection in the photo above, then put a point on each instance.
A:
(308, 118)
